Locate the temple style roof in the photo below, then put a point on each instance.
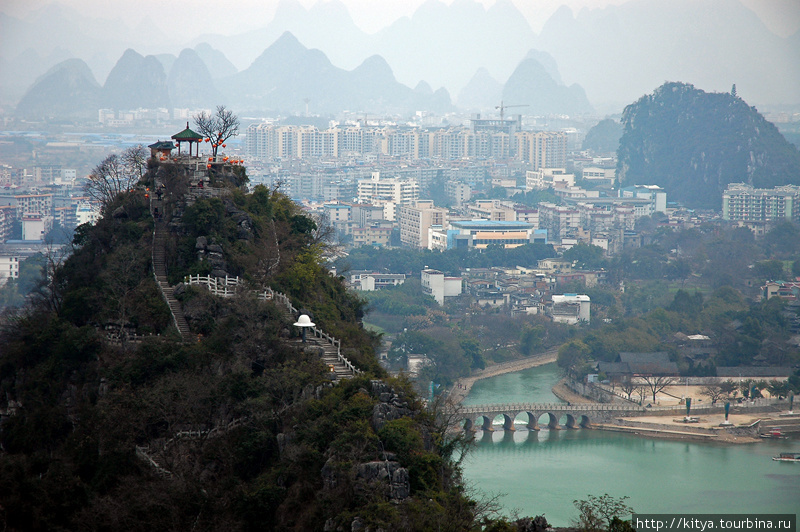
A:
(188, 134)
(162, 145)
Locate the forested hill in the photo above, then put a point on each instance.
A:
(110, 419)
(694, 143)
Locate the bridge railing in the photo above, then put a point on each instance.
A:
(543, 407)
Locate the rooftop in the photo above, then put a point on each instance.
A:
(490, 224)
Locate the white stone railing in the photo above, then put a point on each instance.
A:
(226, 287)
(318, 333)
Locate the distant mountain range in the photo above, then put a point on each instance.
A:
(287, 78)
(615, 54)
(694, 143)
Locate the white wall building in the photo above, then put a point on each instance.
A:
(377, 281)
(436, 284)
(35, 226)
(9, 268)
(387, 193)
(548, 178)
(571, 308)
(86, 213)
(654, 193)
(415, 220)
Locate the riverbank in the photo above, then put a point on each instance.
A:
(562, 391)
(670, 426)
(462, 386)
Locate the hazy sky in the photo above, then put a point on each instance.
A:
(226, 17)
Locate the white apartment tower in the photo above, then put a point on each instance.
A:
(415, 220)
(388, 193)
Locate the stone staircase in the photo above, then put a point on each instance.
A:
(160, 273)
(328, 347)
(331, 359)
(329, 353)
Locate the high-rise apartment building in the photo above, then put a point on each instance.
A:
(416, 218)
(742, 202)
(542, 149)
(387, 193)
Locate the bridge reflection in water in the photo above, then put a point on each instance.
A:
(551, 415)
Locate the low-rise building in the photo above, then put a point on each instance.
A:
(548, 178)
(571, 308)
(435, 283)
(480, 234)
(373, 235)
(9, 268)
(377, 281)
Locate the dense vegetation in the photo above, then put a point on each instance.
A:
(603, 137)
(694, 143)
(246, 430)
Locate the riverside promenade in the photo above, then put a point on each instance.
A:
(462, 386)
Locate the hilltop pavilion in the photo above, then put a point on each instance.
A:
(187, 135)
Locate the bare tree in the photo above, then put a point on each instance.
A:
(627, 386)
(218, 127)
(52, 285)
(657, 383)
(713, 391)
(116, 174)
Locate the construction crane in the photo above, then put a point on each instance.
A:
(504, 107)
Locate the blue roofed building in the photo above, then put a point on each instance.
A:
(480, 234)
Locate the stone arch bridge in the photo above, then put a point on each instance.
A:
(551, 415)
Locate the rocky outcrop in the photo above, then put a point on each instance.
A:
(244, 222)
(392, 405)
(388, 476)
(213, 254)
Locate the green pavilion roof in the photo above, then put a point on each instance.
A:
(187, 134)
(162, 145)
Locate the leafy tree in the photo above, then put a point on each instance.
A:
(597, 513)
(796, 268)
(218, 127)
(783, 240)
(472, 351)
(532, 198)
(778, 388)
(769, 270)
(687, 305)
(678, 269)
(572, 358)
(587, 256)
(531, 339)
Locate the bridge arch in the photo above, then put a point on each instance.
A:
(551, 421)
(532, 421)
(551, 415)
(568, 421)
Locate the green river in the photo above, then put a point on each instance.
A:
(544, 471)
